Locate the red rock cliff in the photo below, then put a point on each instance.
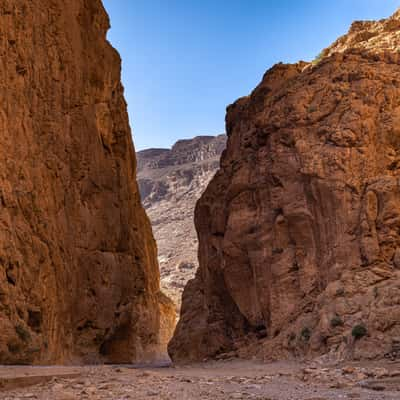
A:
(300, 229)
(79, 278)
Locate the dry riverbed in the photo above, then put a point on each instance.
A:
(213, 380)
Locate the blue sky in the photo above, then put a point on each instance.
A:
(184, 61)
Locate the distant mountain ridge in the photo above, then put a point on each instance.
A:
(170, 183)
(184, 151)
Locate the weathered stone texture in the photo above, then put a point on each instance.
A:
(78, 270)
(300, 229)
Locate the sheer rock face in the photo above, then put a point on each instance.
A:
(299, 230)
(78, 271)
(170, 182)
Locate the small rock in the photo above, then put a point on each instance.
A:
(64, 395)
(360, 376)
(348, 370)
(380, 372)
(152, 393)
(377, 387)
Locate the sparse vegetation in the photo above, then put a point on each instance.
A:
(336, 321)
(318, 59)
(13, 347)
(306, 334)
(340, 292)
(312, 109)
(277, 250)
(359, 331)
(34, 350)
(22, 333)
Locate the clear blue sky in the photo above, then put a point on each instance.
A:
(184, 61)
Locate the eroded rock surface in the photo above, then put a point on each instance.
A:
(170, 182)
(78, 270)
(300, 228)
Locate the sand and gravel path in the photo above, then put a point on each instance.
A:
(214, 380)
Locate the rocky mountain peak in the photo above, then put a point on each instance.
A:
(369, 36)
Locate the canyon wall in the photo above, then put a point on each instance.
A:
(299, 230)
(79, 279)
(170, 182)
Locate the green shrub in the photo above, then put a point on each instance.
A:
(34, 350)
(336, 321)
(306, 334)
(22, 333)
(319, 57)
(13, 347)
(359, 331)
(311, 109)
(340, 292)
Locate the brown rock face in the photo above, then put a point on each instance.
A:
(170, 182)
(78, 270)
(300, 229)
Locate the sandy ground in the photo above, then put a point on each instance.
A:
(213, 380)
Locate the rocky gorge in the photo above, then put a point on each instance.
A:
(170, 182)
(295, 294)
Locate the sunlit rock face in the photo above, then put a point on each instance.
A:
(79, 279)
(300, 229)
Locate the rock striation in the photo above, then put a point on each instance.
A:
(299, 231)
(79, 279)
(170, 182)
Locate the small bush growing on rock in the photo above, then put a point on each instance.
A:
(186, 265)
(336, 321)
(34, 350)
(319, 57)
(13, 347)
(22, 333)
(312, 109)
(306, 334)
(340, 292)
(359, 331)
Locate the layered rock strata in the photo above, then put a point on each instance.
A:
(79, 280)
(300, 229)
